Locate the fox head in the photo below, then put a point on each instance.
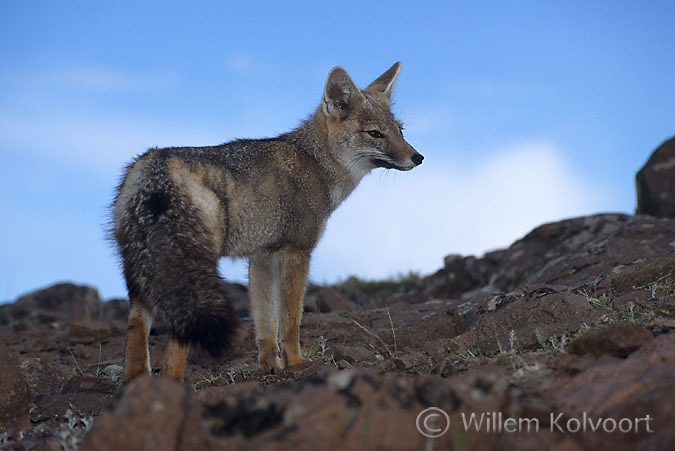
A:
(362, 131)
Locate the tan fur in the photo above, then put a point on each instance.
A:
(192, 183)
(137, 360)
(178, 210)
(293, 275)
(175, 359)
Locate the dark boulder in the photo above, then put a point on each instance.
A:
(656, 183)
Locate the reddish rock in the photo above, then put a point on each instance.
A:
(14, 395)
(149, 416)
(573, 253)
(349, 410)
(521, 320)
(62, 302)
(638, 386)
(329, 300)
(619, 340)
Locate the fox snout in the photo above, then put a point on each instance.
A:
(416, 159)
(401, 156)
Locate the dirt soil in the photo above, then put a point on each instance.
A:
(565, 340)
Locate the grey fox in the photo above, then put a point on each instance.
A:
(179, 210)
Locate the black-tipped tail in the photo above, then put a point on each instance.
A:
(212, 325)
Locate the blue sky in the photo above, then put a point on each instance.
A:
(526, 112)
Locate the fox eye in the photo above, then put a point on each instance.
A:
(375, 134)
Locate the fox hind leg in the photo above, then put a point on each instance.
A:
(175, 359)
(137, 356)
(293, 275)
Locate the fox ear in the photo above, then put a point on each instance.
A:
(339, 94)
(385, 82)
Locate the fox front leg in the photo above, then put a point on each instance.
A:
(293, 275)
(264, 295)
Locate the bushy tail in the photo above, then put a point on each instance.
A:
(205, 317)
(170, 267)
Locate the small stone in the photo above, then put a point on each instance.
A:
(114, 372)
(411, 360)
(341, 380)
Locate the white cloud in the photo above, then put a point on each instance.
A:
(244, 63)
(430, 122)
(395, 223)
(240, 63)
(106, 79)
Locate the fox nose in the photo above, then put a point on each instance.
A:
(417, 158)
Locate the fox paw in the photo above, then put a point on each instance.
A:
(271, 365)
(294, 360)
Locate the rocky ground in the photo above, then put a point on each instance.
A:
(565, 340)
(572, 327)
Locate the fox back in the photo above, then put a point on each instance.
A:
(179, 210)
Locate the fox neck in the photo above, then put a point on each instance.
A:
(314, 139)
